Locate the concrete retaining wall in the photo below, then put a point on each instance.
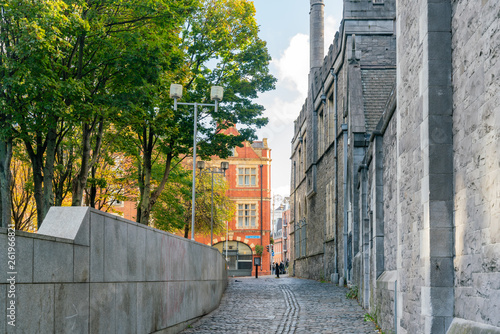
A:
(91, 272)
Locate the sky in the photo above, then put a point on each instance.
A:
(284, 25)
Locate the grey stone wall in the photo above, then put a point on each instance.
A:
(409, 170)
(476, 128)
(91, 272)
(423, 198)
(390, 196)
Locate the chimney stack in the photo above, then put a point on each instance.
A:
(317, 33)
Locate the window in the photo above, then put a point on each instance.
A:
(330, 210)
(321, 133)
(247, 176)
(247, 214)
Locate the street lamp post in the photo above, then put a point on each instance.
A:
(216, 94)
(223, 166)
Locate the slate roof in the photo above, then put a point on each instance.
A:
(377, 87)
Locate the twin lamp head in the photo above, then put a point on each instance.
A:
(216, 92)
(224, 165)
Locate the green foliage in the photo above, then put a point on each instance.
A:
(172, 213)
(373, 318)
(352, 293)
(77, 75)
(369, 317)
(259, 250)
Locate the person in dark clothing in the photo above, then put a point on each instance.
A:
(277, 269)
(282, 268)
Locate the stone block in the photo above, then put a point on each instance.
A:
(438, 45)
(439, 16)
(434, 325)
(439, 213)
(178, 259)
(23, 265)
(175, 292)
(136, 253)
(34, 309)
(102, 308)
(81, 264)
(463, 326)
(96, 247)
(148, 306)
(440, 189)
(437, 301)
(68, 223)
(491, 258)
(440, 128)
(164, 256)
(3, 306)
(438, 75)
(115, 250)
(191, 303)
(438, 100)
(439, 272)
(194, 266)
(440, 159)
(126, 308)
(71, 308)
(152, 255)
(52, 261)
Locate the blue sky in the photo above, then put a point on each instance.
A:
(284, 25)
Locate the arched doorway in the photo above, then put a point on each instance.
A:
(238, 256)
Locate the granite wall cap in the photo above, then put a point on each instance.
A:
(67, 223)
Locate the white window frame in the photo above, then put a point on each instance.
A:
(247, 179)
(247, 215)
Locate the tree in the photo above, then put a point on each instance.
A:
(22, 193)
(173, 210)
(58, 62)
(32, 43)
(111, 181)
(220, 32)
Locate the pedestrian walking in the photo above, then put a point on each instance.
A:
(282, 268)
(277, 269)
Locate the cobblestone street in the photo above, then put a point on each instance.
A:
(284, 305)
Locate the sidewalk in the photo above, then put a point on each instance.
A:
(284, 305)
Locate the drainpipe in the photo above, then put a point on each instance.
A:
(261, 204)
(335, 156)
(344, 130)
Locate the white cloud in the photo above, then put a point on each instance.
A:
(331, 27)
(293, 65)
(283, 106)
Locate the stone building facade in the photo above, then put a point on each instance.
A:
(396, 165)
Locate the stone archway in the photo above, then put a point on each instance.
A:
(238, 256)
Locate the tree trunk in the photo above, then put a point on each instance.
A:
(5, 180)
(80, 180)
(43, 174)
(60, 186)
(48, 170)
(149, 198)
(147, 165)
(93, 189)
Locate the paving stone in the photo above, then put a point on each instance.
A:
(284, 305)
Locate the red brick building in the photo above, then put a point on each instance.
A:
(249, 177)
